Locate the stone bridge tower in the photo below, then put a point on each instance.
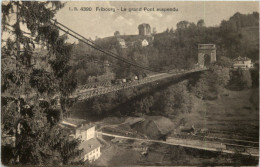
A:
(206, 54)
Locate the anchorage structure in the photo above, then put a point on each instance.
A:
(206, 54)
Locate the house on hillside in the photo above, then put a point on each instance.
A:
(121, 42)
(80, 129)
(91, 149)
(144, 43)
(85, 132)
(242, 62)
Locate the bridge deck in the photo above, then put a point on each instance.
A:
(86, 93)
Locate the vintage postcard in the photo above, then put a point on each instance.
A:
(130, 83)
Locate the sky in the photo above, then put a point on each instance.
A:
(104, 23)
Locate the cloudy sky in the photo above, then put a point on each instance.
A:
(102, 24)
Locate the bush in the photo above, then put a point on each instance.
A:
(240, 79)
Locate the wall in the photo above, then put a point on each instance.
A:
(90, 133)
(93, 155)
(85, 134)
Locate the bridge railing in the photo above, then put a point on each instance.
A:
(87, 93)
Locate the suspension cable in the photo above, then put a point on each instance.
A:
(97, 47)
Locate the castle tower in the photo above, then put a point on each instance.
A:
(144, 29)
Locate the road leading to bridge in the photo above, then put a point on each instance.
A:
(175, 144)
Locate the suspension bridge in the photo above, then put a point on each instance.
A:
(87, 91)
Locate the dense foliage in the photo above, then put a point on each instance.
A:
(29, 113)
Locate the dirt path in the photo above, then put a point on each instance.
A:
(171, 143)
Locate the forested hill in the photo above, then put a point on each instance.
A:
(175, 48)
(249, 36)
(243, 31)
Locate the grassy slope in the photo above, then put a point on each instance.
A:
(234, 113)
(161, 154)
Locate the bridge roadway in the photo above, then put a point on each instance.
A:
(82, 94)
(182, 144)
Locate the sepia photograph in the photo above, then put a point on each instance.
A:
(129, 83)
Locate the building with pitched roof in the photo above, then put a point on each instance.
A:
(144, 43)
(85, 132)
(242, 62)
(80, 129)
(91, 149)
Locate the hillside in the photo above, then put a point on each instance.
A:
(250, 35)
(171, 49)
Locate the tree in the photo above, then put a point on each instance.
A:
(144, 105)
(225, 62)
(180, 100)
(171, 30)
(255, 75)
(221, 73)
(154, 31)
(140, 59)
(240, 79)
(246, 79)
(174, 100)
(182, 24)
(211, 82)
(205, 87)
(201, 23)
(167, 30)
(116, 33)
(28, 90)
